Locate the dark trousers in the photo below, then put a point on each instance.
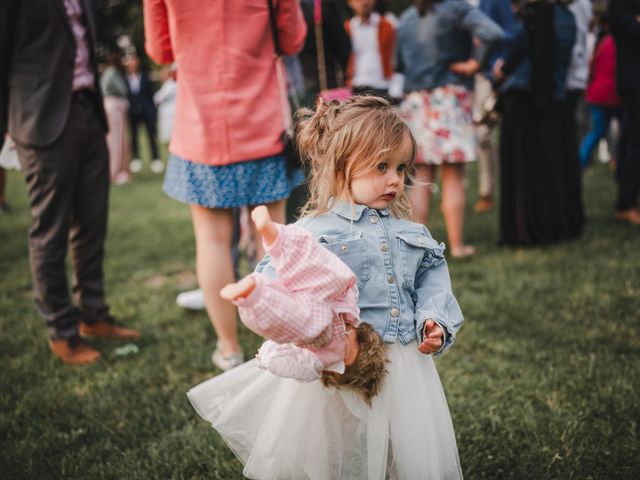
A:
(68, 187)
(149, 120)
(628, 166)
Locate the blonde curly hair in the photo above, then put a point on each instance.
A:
(341, 140)
(366, 375)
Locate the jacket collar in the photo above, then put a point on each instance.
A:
(353, 211)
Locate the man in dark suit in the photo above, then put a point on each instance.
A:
(141, 109)
(50, 104)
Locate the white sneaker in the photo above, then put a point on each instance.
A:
(135, 165)
(157, 166)
(192, 299)
(603, 151)
(228, 362)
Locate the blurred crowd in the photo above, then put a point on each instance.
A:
(534, 90)
(130, 99)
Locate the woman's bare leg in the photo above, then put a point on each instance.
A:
(453, 201)
(420, 193)
(213, 230)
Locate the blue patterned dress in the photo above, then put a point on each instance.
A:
(253, 182)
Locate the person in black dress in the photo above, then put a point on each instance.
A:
(541, 195)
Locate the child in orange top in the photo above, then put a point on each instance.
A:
(373, 40)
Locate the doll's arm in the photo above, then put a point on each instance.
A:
(275, 313)
(289, 361)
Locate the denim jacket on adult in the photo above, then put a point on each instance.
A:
(518, 58)
(402, 274)
(427, 46)
(500, 12)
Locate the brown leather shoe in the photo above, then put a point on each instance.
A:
(483, 205)
(74, 351)
(631, 215)
(107, 328)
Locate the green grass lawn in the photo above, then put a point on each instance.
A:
(543, 382)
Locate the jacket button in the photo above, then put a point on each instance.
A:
(395, 312)
(390, 279)
(343, 248)
(384, 247)
(374, 219)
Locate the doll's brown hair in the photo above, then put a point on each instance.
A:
(366, 374)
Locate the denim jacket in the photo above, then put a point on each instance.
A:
(518, 59)
(403, 278)
(427, 46)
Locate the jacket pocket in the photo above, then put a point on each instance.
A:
(23, 81)
(417, 250)
(352, 250)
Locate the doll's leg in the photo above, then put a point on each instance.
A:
(264, 224)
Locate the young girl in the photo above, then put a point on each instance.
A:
(359, 154)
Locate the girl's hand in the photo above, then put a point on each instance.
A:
(433, 338)
(467, 69)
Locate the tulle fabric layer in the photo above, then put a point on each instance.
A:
(283, 429)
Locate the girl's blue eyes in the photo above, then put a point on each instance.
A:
(383, 167)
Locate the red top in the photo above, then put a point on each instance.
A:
(602, 84)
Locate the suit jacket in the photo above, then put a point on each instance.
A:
(37, 60)
(141, 103)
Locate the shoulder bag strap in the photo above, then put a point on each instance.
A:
(284, 102)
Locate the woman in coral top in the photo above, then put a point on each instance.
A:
(226, 148)
(601, 94)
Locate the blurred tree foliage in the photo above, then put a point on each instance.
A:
(117, 20)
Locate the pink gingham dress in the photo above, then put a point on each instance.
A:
(302, 312)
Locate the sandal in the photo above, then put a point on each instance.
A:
(226, 362)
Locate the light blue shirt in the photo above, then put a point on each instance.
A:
(403, 278)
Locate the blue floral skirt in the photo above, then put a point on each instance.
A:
(254, 182)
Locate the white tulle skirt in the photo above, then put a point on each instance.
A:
(283, 429)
